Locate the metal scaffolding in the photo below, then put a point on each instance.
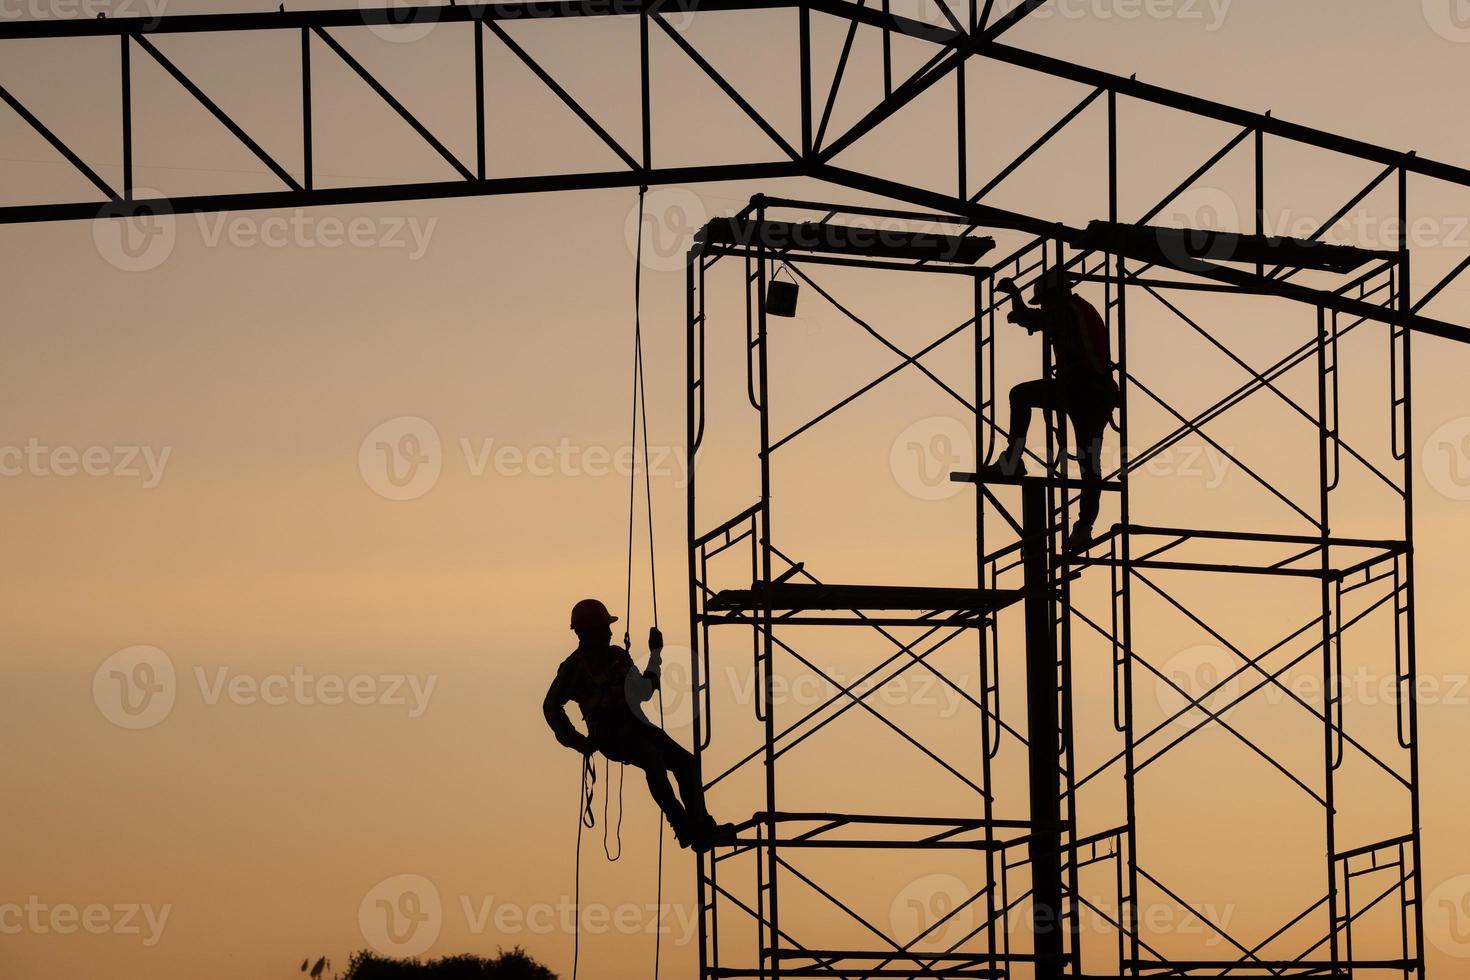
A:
(1033, 846)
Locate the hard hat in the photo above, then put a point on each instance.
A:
(591, 612)
(1052, 282)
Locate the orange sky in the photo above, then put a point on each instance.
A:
(358, 678)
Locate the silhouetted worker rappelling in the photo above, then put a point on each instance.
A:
(1082, 387)
(604, 682)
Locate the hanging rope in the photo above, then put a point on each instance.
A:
(586, 786)
(606, 798)
(640, 410)
(586, 818)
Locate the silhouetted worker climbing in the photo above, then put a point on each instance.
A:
(1082, 387)
(602, 680)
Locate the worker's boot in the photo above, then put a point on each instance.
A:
(711, 834)
(1079, 540)
(1009, 466)
(686, 833)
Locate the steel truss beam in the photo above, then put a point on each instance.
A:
(957, 40)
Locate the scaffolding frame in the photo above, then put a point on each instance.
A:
(1132, 556)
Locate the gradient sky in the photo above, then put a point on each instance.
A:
(254, 372)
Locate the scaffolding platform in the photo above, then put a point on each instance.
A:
(838, 830)
(803, 597)
(1049, 481)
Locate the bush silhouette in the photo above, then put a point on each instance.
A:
(514, 964)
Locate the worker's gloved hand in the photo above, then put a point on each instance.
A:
(655, 640)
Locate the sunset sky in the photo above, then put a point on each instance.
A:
(196, 494)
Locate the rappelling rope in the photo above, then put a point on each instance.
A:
(585, 814)
(640, 408)
(585, 819)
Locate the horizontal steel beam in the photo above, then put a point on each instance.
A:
(378, 193)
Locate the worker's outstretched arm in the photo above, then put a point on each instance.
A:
(1021, 314)
(555, 710)
(653, 674)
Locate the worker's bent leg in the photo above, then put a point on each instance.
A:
(1043, 393)
(679, 761)
(660, 757)
(662, 792)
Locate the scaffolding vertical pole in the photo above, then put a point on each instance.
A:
(987, 799)
(1329, 679)
(1405, 308)
(692, 519)
(765, 613)
(1042, 731)
(1128, 913)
